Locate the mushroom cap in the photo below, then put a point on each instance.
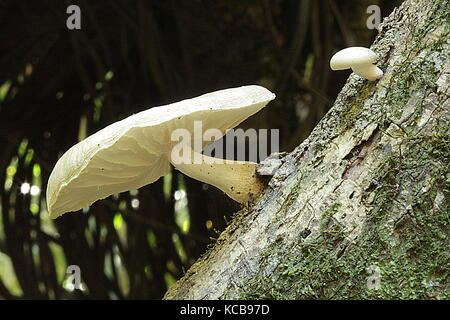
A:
(135, 151)
(352, 56)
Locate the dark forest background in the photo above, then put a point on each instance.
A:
(59, 85)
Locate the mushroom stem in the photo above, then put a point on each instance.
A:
(238, 179)
(370, 72)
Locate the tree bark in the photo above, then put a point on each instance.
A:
(361, 208)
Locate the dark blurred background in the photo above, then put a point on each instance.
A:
(59, 85)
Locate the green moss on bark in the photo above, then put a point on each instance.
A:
(410, 249)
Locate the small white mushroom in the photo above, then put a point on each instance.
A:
(361, 60)
(136, 151)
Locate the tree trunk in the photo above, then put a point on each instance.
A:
(361, 208)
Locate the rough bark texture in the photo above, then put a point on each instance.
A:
(368, 190)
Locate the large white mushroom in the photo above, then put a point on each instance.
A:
(361, 60)
(136, 151)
